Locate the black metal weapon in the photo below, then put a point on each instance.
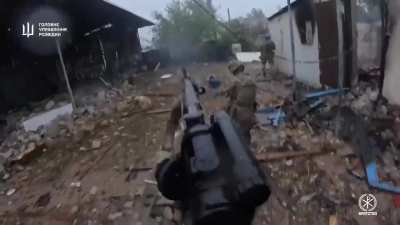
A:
(216, 177)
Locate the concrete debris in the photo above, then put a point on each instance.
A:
(114, 216)
(236, 67)
(248, 56)
(49, 105)
(316, 171)
(46, 118)
(30, 151)
(166, 76)
(11, 192)
(306, 198)
(128, 205)
(144, 102)
(93, 190)
(96, 144)
(75, 184)
(74, 210)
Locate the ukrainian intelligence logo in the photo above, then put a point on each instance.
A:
(367, 204)
(28, 30)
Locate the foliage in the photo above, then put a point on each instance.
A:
(250, 29)
(192, 32)
(184, 28)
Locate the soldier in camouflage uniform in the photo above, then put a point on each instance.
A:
(242, 99)
(267, 53)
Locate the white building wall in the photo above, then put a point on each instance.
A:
(368, 45)
(391, 87)
(307, 56)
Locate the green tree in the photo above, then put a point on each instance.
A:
(184, 28)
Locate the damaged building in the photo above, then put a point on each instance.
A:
(317, 38)
(336, 40)
(99, 39)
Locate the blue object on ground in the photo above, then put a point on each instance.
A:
(214, 83)
(326, 93)
(271, 116)
(373, 179)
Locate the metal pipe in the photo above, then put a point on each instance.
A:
(71, 95)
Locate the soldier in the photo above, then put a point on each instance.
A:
(267, 53)
(242, 99)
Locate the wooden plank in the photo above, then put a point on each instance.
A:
(272, 156)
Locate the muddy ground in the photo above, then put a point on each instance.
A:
(100, 171)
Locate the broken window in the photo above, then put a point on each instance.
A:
(305, 21)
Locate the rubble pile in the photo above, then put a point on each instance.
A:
(21, 146)
(316, 171)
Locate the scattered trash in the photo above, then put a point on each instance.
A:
(358, 134)
(270, 116)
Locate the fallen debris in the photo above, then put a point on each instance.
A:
(46, 118)
(133, 172)
(114, 216)
(75, 184)
(166, 76)
(159, 111)
(96, 144)
(30, 152)
(272, 156)
(11, 191)
(333, 220)
(248, 56)
(93, 190)
(43, 200)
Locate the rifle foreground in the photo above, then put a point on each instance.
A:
(216, 177)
